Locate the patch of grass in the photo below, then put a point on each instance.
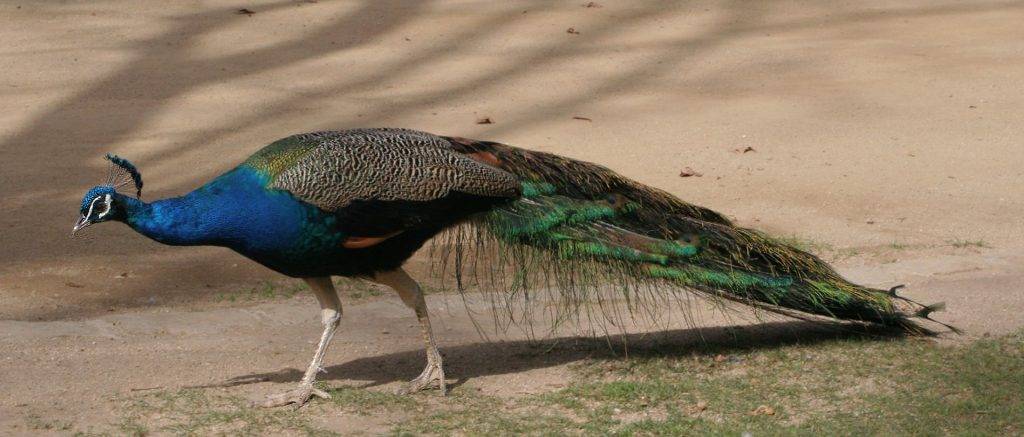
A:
(130, 426)
(208, 412)
(960, 244)
(895, 245)
(358, 289)
(35, 422)
(366, 402)
(201, 412)
(840, 387)
(473, 414)
(843, 386)
(432, 289)
(263, 291)
(818, 386)
(847, 252)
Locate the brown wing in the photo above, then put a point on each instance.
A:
(333, 169)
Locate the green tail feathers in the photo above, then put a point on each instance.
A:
(582, 221)
(638, 242)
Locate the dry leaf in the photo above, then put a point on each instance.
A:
(485, 120)
(698, 408)
(576, 117)
(245, 11)
(688, 172)
(572, 31)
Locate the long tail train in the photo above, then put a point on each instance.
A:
(583, 216)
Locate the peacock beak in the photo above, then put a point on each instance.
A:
(82, 223)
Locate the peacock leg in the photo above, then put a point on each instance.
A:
(330, 315)
(412, 295)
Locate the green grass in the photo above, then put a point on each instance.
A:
(204, 412)
(474, 414)
(366, 402)
(896, 245)
(960, 244)
(806, 385)
(358, 289)
(268, 290)
(850, 387)
(264, 291)
(34, 422)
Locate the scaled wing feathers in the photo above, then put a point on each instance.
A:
(337, 168)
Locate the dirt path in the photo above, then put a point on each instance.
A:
(883, 135)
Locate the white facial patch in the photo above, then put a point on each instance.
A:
(106, 206)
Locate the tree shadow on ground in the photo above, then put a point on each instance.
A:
(81, 127)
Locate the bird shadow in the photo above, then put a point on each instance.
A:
(481, 359)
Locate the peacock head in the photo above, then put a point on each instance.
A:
(102, 202)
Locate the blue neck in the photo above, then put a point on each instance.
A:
(178, 221)
(233, 210)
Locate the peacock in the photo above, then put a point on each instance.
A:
(358, 203)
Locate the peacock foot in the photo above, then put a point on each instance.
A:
(432, 376)
(298, 396)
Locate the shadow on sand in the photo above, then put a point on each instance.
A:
(467, 361)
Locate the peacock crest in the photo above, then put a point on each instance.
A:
(121, 173)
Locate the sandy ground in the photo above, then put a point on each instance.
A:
(887, 134)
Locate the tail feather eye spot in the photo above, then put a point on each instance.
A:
(616, 200)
